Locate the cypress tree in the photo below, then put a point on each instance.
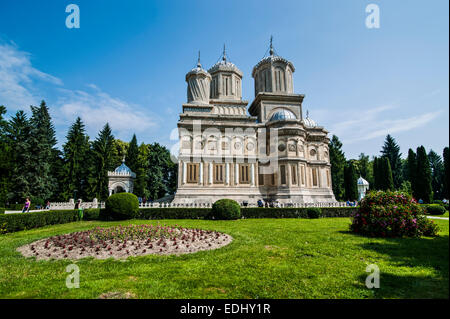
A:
(76, 152)
(376, 174)
(391, 150)
(387, 178)
(337, 160)
(103, 161)
(437, 174)
(351, 188)
(423, 174)
(445, 186)
(412, 171)
(132, 154)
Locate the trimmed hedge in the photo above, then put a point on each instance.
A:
(2, 210)
(22, 221)
(251, 212)
(433, 209)
(121, 206)
(225, 209)
(173, 213)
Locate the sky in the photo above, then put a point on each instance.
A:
(127, 62)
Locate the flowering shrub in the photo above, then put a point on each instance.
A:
(391, 214)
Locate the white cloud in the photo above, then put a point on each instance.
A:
(97, 107)
(376, 122)
(19, 82)
(18, 76)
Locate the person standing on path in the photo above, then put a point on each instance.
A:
(26, 207)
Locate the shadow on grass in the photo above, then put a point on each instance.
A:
(428, 254)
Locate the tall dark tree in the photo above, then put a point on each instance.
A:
(141, 184)
(423, 175)
(445, 186)
(43, 142)
(386, 177)
(391, 150)
(76, 169)
(376, 173)
(5, 159)
(102, 159)
(350, 178)
(412, 171)
(437, 174)
(18, 137)
(132, 154)
(337, 160)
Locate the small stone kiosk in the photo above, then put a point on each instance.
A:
(121, 180)
(363, 186)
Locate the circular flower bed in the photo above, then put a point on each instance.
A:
(391, 214)
(123, 241)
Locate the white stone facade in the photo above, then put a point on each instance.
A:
(274, 153)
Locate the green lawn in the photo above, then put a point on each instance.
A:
(269, 258)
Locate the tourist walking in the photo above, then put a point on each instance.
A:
(26, 207)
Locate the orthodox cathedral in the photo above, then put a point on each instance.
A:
(273, 152)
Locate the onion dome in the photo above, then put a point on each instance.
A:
(226, 83)
(198, 80)
(282, 115)
(273, 74)
(308, 122)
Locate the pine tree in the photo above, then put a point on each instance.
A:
(103, 161)
(76, 152)
(350, 177)
(337, 160)
(445, 186)
(42, 155)
(391, 150)
(412, 171)
(423, 174)
(437, 174)
(18, 138)
(132, 154)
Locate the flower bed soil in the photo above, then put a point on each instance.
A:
(122, 242)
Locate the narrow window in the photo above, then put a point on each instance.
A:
(283, 174)
(314, 176)
(218, 173)
(192, 170)
(294, 174)
(244, 173)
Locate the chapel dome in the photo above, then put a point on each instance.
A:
(308, 122)
(282, 115)
(198, 80)
(362, 181)
(123, 169)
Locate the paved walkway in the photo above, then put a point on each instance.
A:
(436, 217)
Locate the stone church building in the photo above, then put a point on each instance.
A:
(273, 152)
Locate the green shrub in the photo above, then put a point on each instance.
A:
(439, 202)
(121, 206)
(433, 209)
(23, 221)
(391, 214)
(292, 212)
(2, 210)
(225, 209)
(313, 212)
